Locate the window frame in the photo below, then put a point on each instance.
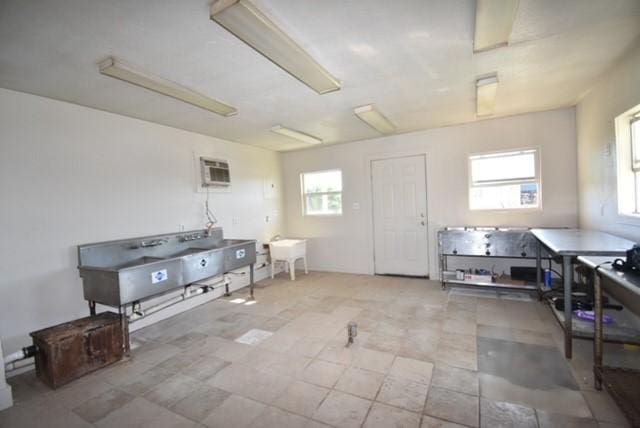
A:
(635, 163)
(627, 174)
(537, 179)
(303, 195)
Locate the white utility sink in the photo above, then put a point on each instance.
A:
(288, 251)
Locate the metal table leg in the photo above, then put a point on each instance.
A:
(568, 325)
(251, 282)
(124, 325)
(92, 308)
(598, 334)
(538, 269)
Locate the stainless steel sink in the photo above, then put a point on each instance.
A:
(120, 272)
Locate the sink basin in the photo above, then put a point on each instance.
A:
(119, 272)
(137, 262)
(188, 252)
(288, 249)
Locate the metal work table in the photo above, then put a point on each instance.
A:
(569, 244)
(623, 384)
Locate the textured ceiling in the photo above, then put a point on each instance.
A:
(412, 58)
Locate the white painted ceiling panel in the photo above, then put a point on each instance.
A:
(412, 58)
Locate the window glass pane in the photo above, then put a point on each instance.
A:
(324, 203)
(635, 144)
(637, 174)
(507, 196)
(504, 166)
(324, 181)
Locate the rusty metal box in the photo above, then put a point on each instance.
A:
(70, 350)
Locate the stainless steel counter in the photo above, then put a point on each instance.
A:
(568, 244)
(582, 242)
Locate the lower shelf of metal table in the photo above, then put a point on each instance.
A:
(620, 332)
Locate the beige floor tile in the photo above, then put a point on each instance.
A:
(232, 351)
(171, 391)
(323, 373)
(555, 420)
(383, 416)
(507, 415)
(141, 413)
(557, 400)
(41, 415)
(457, 358)
(430, 422)
(205, 368)
(78, 391)
(384, 343)
(373, 360)
(301, 398)
(360, 382)
(337, 352)
(98, 407)
(415, 370)
(236, 412)
(456, 379)
(462, 342)
(460, 326)
(603, 407)
(273, 417)
(143, 382)
(453, 406)
(342, 410)
(403, 393)
(203, 400)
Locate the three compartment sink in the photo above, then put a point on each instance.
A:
(116, 273)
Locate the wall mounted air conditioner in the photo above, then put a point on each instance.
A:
(214, 172)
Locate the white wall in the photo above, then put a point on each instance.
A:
(345, 243)
(616, 92)
(71, 175)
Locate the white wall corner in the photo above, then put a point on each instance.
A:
(6, 398)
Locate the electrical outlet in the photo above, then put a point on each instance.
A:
(235, 221)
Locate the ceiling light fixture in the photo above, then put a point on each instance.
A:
(372, 117)
(296, 135)
(249, 24)
(494, 21)
(117, 69)
(486, 88)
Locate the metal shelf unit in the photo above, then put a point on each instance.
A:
(486, 242)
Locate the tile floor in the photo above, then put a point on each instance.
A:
(423, 357)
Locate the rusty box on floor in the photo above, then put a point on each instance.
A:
(73, 349)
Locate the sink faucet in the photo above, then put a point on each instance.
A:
(151, 243)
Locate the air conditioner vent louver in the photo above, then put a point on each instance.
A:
(215, 172)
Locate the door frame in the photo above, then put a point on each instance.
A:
(369, 171)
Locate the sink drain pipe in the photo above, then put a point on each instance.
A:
(190, 291)
(23, 354)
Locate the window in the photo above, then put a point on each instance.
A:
(628, 158)
(322, 192)
(635, 161)
(506, 180)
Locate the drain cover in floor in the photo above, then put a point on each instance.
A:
(254, 336)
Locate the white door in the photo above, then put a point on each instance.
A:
(400, 216)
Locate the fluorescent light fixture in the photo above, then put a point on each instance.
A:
(494, 21)
(117, 69)
(249, 24)
(296, 135)
(486, 88)
(372, 117)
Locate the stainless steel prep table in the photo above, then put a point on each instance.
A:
(623, 384)
(569, 244)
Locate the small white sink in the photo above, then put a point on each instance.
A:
(288, 250)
